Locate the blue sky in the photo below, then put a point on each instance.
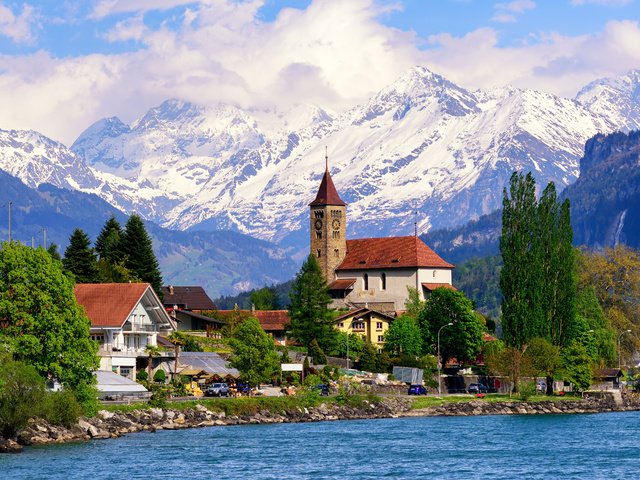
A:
(64, 64)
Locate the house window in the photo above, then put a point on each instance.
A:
(98, 337)
(318, 235)
(319, 252)
(434, 274)
(125, 372)
(358, 325)
(366, 281)
(380, 338)
(341, 324)
(383, 278)
(378, 325)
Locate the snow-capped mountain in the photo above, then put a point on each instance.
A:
(422, 149)
(618, 99)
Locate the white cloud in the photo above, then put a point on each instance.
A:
(334, 54)
(18, 28)
(612, 3)
(504, 18)
(105, 8)
(516, 6)
(128, 29)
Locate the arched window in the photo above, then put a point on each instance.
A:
(319, 253)
(383, 277)
(366, 281)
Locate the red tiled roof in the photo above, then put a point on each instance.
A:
(432, 286)
(391, 252)
(109, 304)
(342, 284)
(360, 312)
(327, 193)
(270, 320)
(189, 298)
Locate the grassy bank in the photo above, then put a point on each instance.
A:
(252, 405)
(435, 401)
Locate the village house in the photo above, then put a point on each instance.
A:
(371, 273)
(125, 318)
(272, 322)
(370, 324)
(185, 304)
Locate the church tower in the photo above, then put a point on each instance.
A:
(328, 227)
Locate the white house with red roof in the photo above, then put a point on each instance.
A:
(373, 273)
(125, 318)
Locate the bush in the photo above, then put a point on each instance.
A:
(311, 380)
(158, 397)
(87, 396)
(21, 394)
(160, 376)
(526, 390)
(315, 352)
(142, 376)
(61, 408)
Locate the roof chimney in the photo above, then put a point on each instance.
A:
(170, 289)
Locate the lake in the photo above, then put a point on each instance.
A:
(524, 447)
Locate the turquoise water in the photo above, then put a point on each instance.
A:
(523, 447)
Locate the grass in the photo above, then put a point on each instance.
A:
(251, 405)
(435, 401)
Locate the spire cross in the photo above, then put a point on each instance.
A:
(326, 158)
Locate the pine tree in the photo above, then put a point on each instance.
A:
(107, 244)
(80, 259)
(308, 313)
(137, 248)
(53, 251)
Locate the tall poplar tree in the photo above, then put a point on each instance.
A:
(137, 248)
(80, 259)
(308, 313)
(538, 280)
(517, 277)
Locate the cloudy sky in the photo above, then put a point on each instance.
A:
(66, 63)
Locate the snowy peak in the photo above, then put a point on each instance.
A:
(616, 98)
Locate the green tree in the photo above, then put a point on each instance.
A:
(369, 358)
(21, 393)
(462, 340)
(115, 272)
(538, 278)
(315, 352)
(510, 362)
(543, 359)
(254, 353)
(576, 365)
(152, 351)
(265, 299)
(355, 343)
(137, 248)
(403, 336)
(53, 251)
(80, 259)
(413, 304)
(308, 313)
(107, 244)
(593, 328)
(42, 319)
(178, 339)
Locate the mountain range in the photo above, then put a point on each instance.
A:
(421, 150)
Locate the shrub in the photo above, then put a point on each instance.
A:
(21, 394)
(526, 390)
(87, 396)
(311, 380)
(160, 376)
(315, 352)
(142, 376)
(61, 408)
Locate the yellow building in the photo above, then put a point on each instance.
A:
(370, 324)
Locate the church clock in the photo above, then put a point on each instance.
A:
(336, 224)
(318, 224)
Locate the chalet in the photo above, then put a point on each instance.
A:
(191, 298)
(370, 324)
(125, 318)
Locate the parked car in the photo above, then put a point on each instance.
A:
(417, 390)
(478, 388)
(323, 388)
(541, 386)
(217, 390)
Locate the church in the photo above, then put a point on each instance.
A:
(369, 276)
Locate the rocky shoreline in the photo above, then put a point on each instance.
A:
(113, 425)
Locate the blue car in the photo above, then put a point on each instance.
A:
(417, 390)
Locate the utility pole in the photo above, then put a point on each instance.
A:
(439, 367)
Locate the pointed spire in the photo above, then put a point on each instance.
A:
(327, 193)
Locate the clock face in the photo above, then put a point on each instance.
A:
(318, 224)
(335, 224)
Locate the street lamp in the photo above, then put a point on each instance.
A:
(619, 351)
(447, 325)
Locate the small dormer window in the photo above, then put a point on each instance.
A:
(383, 281)
(366, 281)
